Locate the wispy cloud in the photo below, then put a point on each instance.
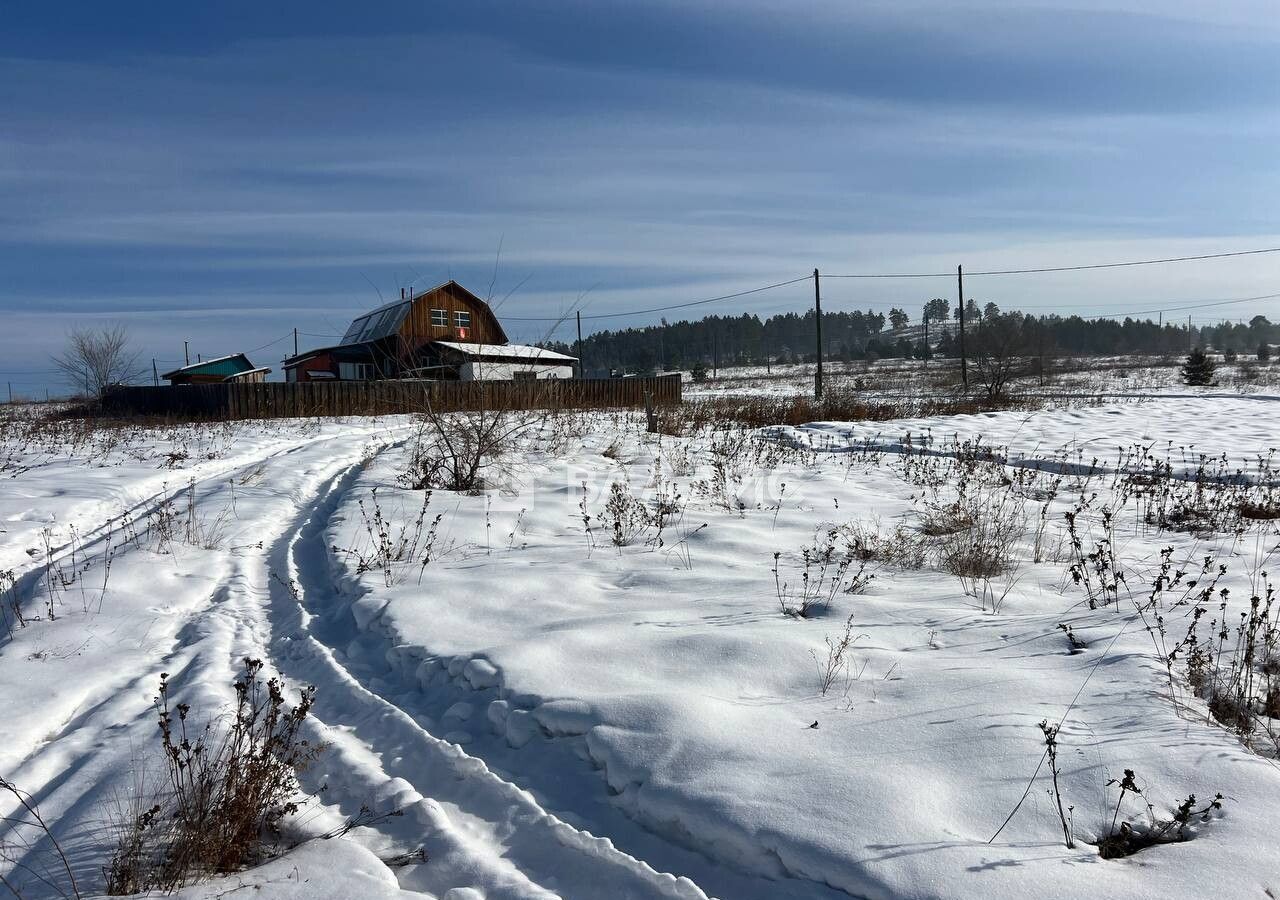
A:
(241, 176)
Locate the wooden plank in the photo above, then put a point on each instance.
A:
(260, 400)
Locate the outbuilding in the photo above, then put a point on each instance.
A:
(235, 367)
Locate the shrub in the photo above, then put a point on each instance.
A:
(627, 515)
(10, 601)
(902, 547)
(390, 549)
(940, 520)
(826, 567)
(227, 789)
(980, 535)
(1238, 680)
(458, 451)
(836, 664)
(1125, 838)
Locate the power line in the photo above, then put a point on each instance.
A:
(663, 309)
(1029, 271)
(272, 344)
(1148, 312)
(1177, 306)
(1154, 304)
(1077, 268)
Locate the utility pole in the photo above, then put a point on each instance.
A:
(817, 312)
(11, 393)
(1041, 331)
(926, 338)
(295, 342)
(964, 363)
(715, 352)
(186, 354)
(155, 373)
(582, 369)
(1190, 342)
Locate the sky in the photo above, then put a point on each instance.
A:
(225, 172)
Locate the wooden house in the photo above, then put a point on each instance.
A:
(235, 367)
(436, 335)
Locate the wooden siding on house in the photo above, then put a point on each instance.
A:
(393, 339)
(416, 329)
(321, 362)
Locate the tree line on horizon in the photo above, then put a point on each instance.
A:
(791, 337)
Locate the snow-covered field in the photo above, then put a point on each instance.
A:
(1115, 375)
(592, 679)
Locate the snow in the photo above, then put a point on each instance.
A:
(1242, 427)
(320, 870)
(1112, 377)
(506, 351)
(557, 716)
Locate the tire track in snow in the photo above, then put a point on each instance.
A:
(478, 829)
(366, 656)
(93, 537)
(68, 769)
(679, 849)
(92, 540)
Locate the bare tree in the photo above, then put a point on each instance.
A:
(96, 358)
(997, 353)
(463, 450)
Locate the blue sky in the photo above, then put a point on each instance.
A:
(224, 172)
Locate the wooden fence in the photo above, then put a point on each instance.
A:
(269, 400)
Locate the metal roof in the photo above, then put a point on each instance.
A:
(383, 321)
(218, 366)
(342, 352)
(506, 351)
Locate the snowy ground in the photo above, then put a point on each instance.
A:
(558, 715)
(1136, 375)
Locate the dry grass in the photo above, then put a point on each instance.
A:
(836, 406)
(227, 791)
(903, 547)
(941, 520)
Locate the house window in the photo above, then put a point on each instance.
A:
(524, 376)
(356, 371)
(439, 318)
(461, 319)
